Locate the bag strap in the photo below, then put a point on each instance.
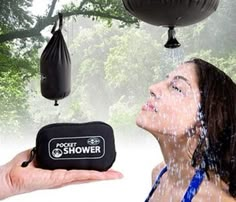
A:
(27, 162)
(60, 18)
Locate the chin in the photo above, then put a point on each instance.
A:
(144, 124)
(140, 121)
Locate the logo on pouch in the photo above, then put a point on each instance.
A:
(89, 147)
(93, 141)
(57, 153)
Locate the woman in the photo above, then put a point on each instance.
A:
(192, 114)
(16, 180)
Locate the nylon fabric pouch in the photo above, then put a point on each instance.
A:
(55, 66)
(89, 146)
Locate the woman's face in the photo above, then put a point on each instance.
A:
(173, 104)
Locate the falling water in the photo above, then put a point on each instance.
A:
(174, 56)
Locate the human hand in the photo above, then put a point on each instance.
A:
(17, 180)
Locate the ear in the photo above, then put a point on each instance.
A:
(194, 130)
(193, 135)
(197, 128)
(192, 143)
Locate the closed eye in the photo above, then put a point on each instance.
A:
(177, 89)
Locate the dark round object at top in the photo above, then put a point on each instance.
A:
(171, 13)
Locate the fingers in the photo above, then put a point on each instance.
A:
(31, 178)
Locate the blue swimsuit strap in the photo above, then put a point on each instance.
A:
(192, 188)
(156, 183)
(194, 185)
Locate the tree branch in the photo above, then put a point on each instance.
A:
(52, 7)
(82, 4)
(44, 22)
(33, 32)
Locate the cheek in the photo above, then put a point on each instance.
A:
(180, 117)
(170, 119)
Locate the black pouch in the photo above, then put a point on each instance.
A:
(89, 146)
(55, 66)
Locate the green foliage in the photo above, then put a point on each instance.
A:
(111, 75)
(105, 10)
(215, 33)
(122, 114)
(116, 66)
(226, 64)
(16, 71)
(112, 68)
(19, 61)
(92, 46)
(14, 15)
(125, 62)
(13, 99)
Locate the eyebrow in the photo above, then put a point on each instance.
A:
(179, 77)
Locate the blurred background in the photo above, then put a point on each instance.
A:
(114, 60)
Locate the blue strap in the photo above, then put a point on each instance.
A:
(194, 185)
(192, 188)
(157, 182)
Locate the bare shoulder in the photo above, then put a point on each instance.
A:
(156, 170)
(227, 198)
(210, 191)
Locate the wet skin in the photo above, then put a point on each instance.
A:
(169, 114)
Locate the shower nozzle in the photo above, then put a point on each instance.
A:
(172, 41)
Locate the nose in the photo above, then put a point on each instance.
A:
(155, 91)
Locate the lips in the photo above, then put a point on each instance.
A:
(149, 107)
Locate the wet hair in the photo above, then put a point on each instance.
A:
(218, 106)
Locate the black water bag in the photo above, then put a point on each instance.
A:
(55, 66)
(89, 146)
(171, 13)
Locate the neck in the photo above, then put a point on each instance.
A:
(178, 162)
(179, 170)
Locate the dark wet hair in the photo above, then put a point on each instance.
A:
(218, 105)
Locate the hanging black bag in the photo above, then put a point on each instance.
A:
(55, 66)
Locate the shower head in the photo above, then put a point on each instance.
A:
(172, 41)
